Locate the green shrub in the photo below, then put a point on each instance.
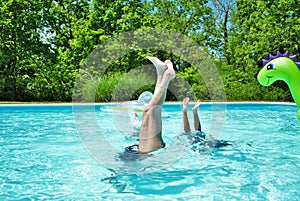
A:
(238, 85)
(114, 86)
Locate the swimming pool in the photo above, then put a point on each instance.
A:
(43, 157)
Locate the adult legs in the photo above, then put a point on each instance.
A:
(151, 127)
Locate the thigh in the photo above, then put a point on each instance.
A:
(151, 122)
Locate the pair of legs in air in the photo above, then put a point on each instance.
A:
(186, 124)
(150, 137)
(199, 137)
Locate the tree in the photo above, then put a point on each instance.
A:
(223, 10)
(110, 18)
(191, 18)
(66, 32)
(264, 27)
(22, 49)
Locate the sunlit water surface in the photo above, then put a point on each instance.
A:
(43, 157)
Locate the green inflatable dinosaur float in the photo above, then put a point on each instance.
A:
(282, 67)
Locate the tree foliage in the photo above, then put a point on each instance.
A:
(44, 44)
(264, 27)
(223, 11)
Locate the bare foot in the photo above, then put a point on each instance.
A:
(159, 65)
(185, 103)
(196, 106)
(170, 70)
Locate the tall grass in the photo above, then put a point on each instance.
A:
(117, 86)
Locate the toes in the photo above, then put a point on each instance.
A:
(186, 100)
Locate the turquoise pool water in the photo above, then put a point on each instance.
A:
(42, 157)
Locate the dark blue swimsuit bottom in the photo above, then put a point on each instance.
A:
(130, 149)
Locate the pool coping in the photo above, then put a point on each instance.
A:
(167, 103)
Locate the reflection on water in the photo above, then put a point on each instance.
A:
(42, 157)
